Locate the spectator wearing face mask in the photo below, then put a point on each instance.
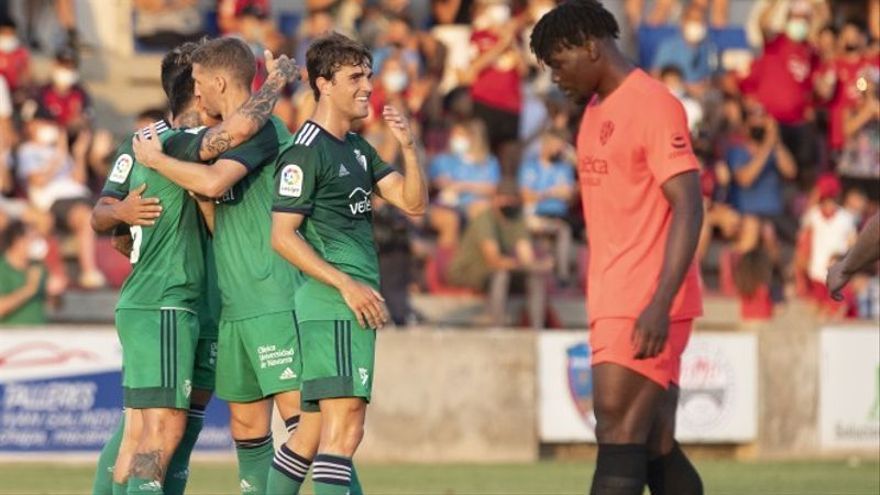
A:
(496, 255)
(14, 57)
(839, 81)
(548, 185)
(781, 79)
(690, 51)
(22, 277)
(55, 179)
(464, 179)
(64, 98)
(496, 71)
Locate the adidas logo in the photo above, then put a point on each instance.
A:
(153, 486)
(287, 374)
(343, 171)
(247, 487)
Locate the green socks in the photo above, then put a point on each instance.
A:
(143, 486)
(254, 460)
(178, 469)
(332, 475)
(103, 484)
(288, 472)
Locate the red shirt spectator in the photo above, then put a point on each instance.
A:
(228, 12)
(498, 85)
(66, 106)
(846, 94)
(782, 79)
(14, 58)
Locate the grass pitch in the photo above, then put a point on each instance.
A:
(543, 478)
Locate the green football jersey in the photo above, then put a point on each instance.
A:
(331, 182)
(168, 261)
(254, 279)
(209, 304)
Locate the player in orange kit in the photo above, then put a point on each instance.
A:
(643, 211)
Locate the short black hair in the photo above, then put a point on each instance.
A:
(857, 23)
(13, 232)
(330, 53)
(231, 55)
(177, 81)
(571, 24)
(671, 69)
(152, 114)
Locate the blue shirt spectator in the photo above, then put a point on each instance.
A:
(541, 178)
(764, 196)
(689, 49)
(461, 174)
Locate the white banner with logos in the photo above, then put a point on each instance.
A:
(719, 388)
(849, 387)
(61, 391)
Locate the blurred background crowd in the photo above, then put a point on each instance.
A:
(781, 98)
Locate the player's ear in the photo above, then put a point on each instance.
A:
(593, 50)
(220, 83)
(324, 85)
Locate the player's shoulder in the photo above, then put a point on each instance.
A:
(310, 135)
(651, 93)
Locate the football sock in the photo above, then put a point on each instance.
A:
(120, 488)
(103, 484)
(331, 474)
(620, 470)
(673, 474)
(143, 486)
(178, 469)
(292, 423)
(288, 472)
(254, 459)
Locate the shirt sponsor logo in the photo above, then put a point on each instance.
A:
(679, 141)
(291, 181)
(363, 205)
(121, 168)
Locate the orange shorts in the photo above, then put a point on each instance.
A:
(611, 342)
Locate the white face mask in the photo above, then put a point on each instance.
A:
(64, 78)
(797, 29)
(47, 134)
(459, 145)
(8, 43)
(38, 248)
(395, 81)
(498, 13)
(694, 32)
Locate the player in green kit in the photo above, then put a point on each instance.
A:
(321, 223)
(171, 282)
(258, 357)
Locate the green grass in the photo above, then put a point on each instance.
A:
(544, 478)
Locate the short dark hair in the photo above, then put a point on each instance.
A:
(571, 24)
(671, 70)
(177, 78)
(330, 53)
(13, 232)
(152, 114)
(231, 55)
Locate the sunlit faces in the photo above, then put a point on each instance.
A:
(208, 89)
(350, 90)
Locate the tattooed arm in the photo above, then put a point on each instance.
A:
(254, 114)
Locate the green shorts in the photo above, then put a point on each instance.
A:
(158, 349)
(205, 364)
(338, 358)
(258, 357)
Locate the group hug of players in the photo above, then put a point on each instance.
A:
(254, 272)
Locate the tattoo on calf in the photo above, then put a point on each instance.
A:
(147, 466)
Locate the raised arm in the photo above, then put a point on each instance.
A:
(409, 191)
(364, 301)
(255, 112)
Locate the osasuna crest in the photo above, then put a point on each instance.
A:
(121, 168)
(361, 159)
(606, 132)
(580, 381)
(291, 181)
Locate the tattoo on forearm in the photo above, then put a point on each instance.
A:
(147, 466)
(216, 141)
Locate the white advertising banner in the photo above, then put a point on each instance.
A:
(849, 388)
(719, 388)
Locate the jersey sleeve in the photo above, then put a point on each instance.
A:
(185, 144)
(296, 180)
(668, 149)
(257, 151)
(378, 168)
(119, 179)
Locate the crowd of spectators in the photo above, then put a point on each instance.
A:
(783, 110)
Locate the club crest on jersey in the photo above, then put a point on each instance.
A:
(361, 158)
(606, 132)
(121, 168)
(291, 181)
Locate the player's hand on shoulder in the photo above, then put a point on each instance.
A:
(399, 125)
(147, 146)
(651, 331)
(365, 302)
(283, 65)
(135, 209)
